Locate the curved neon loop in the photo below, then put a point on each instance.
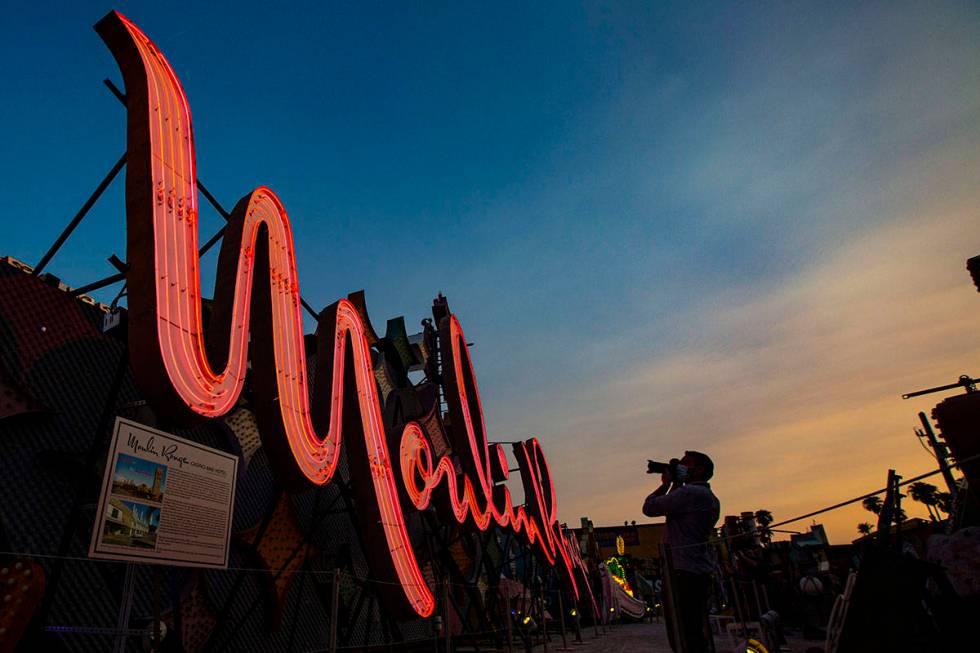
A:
(421, 479)
(420, 475)
(175, 368)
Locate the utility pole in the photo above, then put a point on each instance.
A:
(889, 509)
(942, 454)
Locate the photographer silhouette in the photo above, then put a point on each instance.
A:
(692, 510)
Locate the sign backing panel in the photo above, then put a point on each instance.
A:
(165, 500)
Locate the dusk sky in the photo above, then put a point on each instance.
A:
(733, 227)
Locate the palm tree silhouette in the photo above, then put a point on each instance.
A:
(872, 504)
(864, 528)
(925, 493)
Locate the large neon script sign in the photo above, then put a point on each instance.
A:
(188, 375)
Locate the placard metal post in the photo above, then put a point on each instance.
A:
(544, 621)
(445, 617)
(510, 624)
(334, 600)
(125, 605)
(157, 579)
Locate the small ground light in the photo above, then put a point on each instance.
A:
(612, 609)
(574, 612)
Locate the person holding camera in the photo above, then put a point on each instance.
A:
(692, 510)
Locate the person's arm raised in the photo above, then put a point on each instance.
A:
(658, 504)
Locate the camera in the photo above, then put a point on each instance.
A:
(653, 467)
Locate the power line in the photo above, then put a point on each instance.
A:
(871, 494)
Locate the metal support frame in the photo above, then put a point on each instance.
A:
(304, 572)
(97, 194)
(82, 212)
(239, 579)
(391, 629)
(493, 573)
(444, 539)
(317, 515)
(97, 285)
(561, 620)
(224, 213)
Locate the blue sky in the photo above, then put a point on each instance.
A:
(738, 227)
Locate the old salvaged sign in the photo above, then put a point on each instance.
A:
(255, 329)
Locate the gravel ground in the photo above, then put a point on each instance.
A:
(645, 638)
(625, 638)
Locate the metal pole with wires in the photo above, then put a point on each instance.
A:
(942, 455)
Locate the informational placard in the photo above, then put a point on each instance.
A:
(165, 500)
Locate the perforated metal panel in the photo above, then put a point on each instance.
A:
(51, 464)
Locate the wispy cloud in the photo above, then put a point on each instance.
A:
(796, 391)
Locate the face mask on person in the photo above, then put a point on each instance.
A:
(681, 474)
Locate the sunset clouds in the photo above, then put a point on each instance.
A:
(794, 392)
